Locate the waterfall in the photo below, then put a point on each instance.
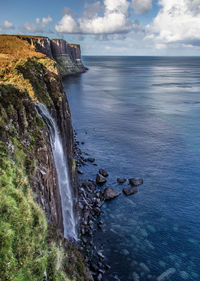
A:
(62, 172)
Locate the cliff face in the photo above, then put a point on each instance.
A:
(41, 44)
(27, 77)
(68, 56)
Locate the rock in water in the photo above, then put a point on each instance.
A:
(129, 191)
(100, 179)
(110, 193)
(79, 171)
(135, 181)
(103, 172)
(91, 159)
(165, 275)
(121, 180)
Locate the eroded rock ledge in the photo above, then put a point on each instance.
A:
(68, 56)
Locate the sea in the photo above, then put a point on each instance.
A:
(140, 117)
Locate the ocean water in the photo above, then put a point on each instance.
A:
(140, 117)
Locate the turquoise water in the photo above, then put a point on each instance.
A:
(139, 117)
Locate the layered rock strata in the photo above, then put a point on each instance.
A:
(68, 56)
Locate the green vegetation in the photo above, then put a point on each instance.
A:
(25, 251)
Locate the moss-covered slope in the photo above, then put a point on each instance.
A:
(31, 241)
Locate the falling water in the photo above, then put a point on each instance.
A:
(62, 173)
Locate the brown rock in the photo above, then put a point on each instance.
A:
(91, 159)
(135, 181)
(110, 193)
(103, 172)
(100, 179)
(130, 190)
(121, 180)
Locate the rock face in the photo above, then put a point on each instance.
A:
(110, 193)
(68, 56)
(41, 44)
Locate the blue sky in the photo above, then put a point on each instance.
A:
(110, 27)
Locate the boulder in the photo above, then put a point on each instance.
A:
(91, 159)
(110, 193)
(130, 190)
(121, 180)
(103, 172)
(135, 181)
(100, 179)
(79, 171)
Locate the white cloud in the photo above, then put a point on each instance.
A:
(177, 21)
(141, 6)
(38, 27)
(92, 10)
(67, 25)
(47, 20)
(114, 20)
(30, 28)
(7, 25)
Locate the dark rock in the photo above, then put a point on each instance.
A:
(90, 159)
(130, 190)
(135, 181)
(101, 271)
(103, 172)
(99, 277)
(82, 142)
(79, 171)
(80, 205)
(97, 211)
(110, 193)
(108, 267)
(99, 253)
(94, 267)
(121, 180)
(84, 240)
(100, 179)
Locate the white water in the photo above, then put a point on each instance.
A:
(62, 173)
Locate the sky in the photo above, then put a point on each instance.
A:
(110, 27)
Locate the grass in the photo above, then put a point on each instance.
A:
(23, 226)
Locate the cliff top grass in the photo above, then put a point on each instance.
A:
(14, 55)
(13, 49)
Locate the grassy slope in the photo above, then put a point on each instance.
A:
(28, 249)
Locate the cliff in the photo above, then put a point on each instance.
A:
(68, 56)
(31, 242)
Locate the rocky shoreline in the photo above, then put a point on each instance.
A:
(91, 197)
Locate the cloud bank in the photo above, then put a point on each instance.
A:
(38, 27)
(115, 19)
(178, 21)
(6, 25)
(141, 6)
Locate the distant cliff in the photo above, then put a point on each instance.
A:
(68, 56)
(32, 246)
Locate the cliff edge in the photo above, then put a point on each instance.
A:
(68, 56)
(32, 246)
